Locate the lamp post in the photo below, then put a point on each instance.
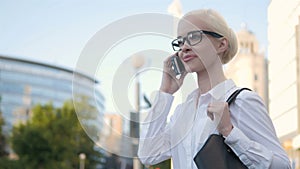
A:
(137, 62)
(82, 157)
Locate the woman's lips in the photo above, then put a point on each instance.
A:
(187, 58)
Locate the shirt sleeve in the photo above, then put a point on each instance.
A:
(154, 145)
(253, 137)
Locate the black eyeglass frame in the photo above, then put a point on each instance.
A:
(213, 34)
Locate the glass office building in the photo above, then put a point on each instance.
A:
(25, 83)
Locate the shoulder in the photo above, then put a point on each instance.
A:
(249, 105)
(249, 97)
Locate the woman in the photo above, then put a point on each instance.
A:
(204, 44)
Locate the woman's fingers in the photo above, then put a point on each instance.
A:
(210, 115)
(220, 110)
(170, 83)
(216, 107)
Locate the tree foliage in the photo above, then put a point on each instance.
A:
(53, 138)
(3, 152)
(162, 165)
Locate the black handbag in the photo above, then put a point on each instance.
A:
(216, 154)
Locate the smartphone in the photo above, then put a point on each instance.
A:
(177, 65)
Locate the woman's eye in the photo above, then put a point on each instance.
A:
(194, 36)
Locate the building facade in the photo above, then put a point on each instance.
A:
(249, 68)
(284, 73)
(115, 141)
(25, 83)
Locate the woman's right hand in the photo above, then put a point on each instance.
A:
(170, 84)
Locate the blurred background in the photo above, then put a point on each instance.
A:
(54, 115)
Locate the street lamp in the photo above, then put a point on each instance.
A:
(82, 157)
(137, 62)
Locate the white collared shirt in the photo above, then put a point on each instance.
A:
(253, 137)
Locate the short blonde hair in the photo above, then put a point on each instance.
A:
(217, 23)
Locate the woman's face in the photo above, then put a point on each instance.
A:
(200, 56)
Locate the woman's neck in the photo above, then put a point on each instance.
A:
(207, 79)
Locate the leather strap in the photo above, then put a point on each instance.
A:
(233, 96)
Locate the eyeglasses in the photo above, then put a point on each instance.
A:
(193, 38)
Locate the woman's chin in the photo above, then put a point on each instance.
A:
(189, 70)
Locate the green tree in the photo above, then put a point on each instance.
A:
(53, 138)
(163, 165)
(3, 152)
(5, 163)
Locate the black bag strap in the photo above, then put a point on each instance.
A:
(233, 96)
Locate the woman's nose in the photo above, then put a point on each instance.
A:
(185, 47)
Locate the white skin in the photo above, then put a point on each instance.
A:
(204, 60)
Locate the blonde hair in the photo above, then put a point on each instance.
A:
(217, 23)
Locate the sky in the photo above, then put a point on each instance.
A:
(58, 31)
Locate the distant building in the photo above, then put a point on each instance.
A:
(175, 8)
(112, 132)
(249, 67)
(116, 142)
(284, 73)
(24, 83)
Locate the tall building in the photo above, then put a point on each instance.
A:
(284, 73)
(112, 132)
(113, 141)
(248, 68)
(25, 83)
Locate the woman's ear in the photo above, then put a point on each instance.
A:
(223, 45)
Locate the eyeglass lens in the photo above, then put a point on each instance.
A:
(192, 39)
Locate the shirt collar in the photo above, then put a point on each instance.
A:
(218, 92)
